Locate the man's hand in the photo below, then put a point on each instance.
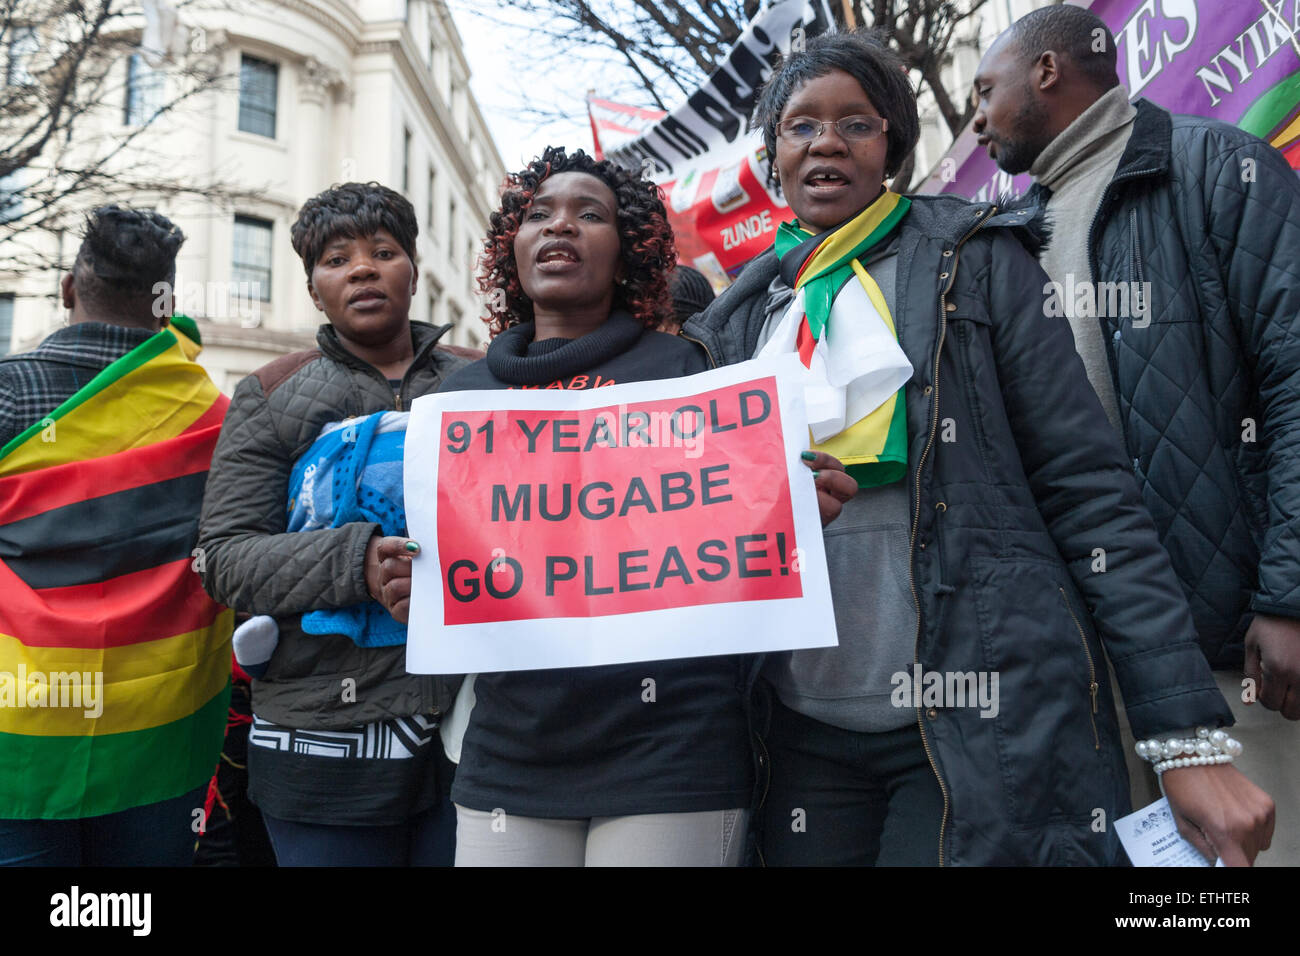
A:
(1220, 812)
(388, 573)
(834, 486)
(1273, 663)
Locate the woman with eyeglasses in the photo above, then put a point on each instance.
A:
(996, 542)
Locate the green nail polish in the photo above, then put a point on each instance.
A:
(808, 455)
(412, 547)
(816, 473)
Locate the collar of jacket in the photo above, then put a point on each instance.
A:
(728, 329)
(86, 344)
(1150, 144)
(423, 338)
(1147, 152)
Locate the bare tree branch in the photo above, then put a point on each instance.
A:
(63, 143)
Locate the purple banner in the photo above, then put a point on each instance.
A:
(1236, 61)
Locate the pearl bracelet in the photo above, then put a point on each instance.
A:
(1197, 761)
(1208, 747)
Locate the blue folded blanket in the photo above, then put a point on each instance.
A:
(353, 472)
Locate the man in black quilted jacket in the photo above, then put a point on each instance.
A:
(1175, 253)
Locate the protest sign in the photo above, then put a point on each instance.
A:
(645, 521)
(1235, 62)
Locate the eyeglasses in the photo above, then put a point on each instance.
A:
(853, 129)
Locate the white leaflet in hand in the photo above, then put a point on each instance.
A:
(1150, 838)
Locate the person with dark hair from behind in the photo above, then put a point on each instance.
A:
(1174, 255)
(106, 431)
(964, 558)
(110, 298)
(343, 756)
(691, 293)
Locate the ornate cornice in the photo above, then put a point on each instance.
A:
(335, 17)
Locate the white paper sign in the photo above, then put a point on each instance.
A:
(637, 522)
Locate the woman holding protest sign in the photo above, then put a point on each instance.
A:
(647, 763)
(965, 716)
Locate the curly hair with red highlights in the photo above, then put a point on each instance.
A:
(647, 250)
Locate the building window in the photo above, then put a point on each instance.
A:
(11, 197)
(451, 227)
(433, 192)
(22, 47)
(433, 308)
(144, 91)
(259, 84)
(252, 259)
(6, 321)
(406, 160)
(456, 95)
(455, 316)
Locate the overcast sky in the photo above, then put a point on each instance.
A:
(509, 67)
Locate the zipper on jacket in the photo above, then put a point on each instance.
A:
(1106, 196)
(1137, 301)
(1093, 686)
(689, 338)
(765, 767)
(916, 515)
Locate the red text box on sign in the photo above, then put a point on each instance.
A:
(612, 510)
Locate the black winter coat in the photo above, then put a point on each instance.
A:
(1208, 381)
(1007, 518)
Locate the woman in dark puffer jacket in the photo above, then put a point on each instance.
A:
(344, 759)
(966, 715)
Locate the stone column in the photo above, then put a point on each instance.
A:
(313, 144)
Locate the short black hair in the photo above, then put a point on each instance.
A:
(1074, 32)
(864, 56)
(124, 254)
(354, 211)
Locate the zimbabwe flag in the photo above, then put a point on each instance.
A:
(99, 510)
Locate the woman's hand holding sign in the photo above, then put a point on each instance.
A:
(834, 486)
(388, 573)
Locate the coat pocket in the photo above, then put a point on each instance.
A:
(1048, 748)
(1093, 685)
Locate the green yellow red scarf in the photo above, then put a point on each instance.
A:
(873, 449)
